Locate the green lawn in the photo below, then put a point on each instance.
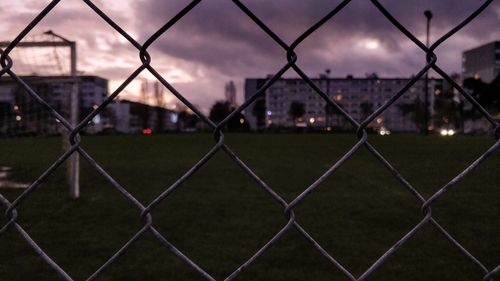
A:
(221, 217)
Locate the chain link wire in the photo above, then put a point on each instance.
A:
(291, 220)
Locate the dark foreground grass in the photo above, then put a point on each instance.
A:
(220, 217)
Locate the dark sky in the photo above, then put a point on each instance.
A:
(217, 42)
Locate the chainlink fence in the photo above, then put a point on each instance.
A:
(288, 207)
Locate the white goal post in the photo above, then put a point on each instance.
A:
(73, 165)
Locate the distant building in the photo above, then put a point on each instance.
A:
(21, 114)
(130, 117)
(482, 62)
(357, 96)
(230, 92)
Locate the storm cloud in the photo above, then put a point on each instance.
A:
(216, 42)
(217, 34)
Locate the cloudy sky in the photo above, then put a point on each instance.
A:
(216, 42)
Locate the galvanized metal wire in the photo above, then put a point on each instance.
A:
(290, 219)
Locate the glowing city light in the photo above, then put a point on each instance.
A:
(96, 119)
(445, 132)
(384, 132)
(174, 117)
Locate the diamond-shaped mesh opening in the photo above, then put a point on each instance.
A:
(371, 208)
(219, 217)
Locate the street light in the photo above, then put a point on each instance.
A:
(428, 15)
(327, 76)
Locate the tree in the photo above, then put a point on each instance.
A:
(415, 111)
(6, 116)
(221, 109)
(259, 111)
(142, 111)
(366, 108)
(330, 111)
(297, 110)
(186, 119)
(446, 109)
(486, 94)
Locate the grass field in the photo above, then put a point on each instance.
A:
(220, 217)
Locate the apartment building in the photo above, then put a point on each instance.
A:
(357, 96)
